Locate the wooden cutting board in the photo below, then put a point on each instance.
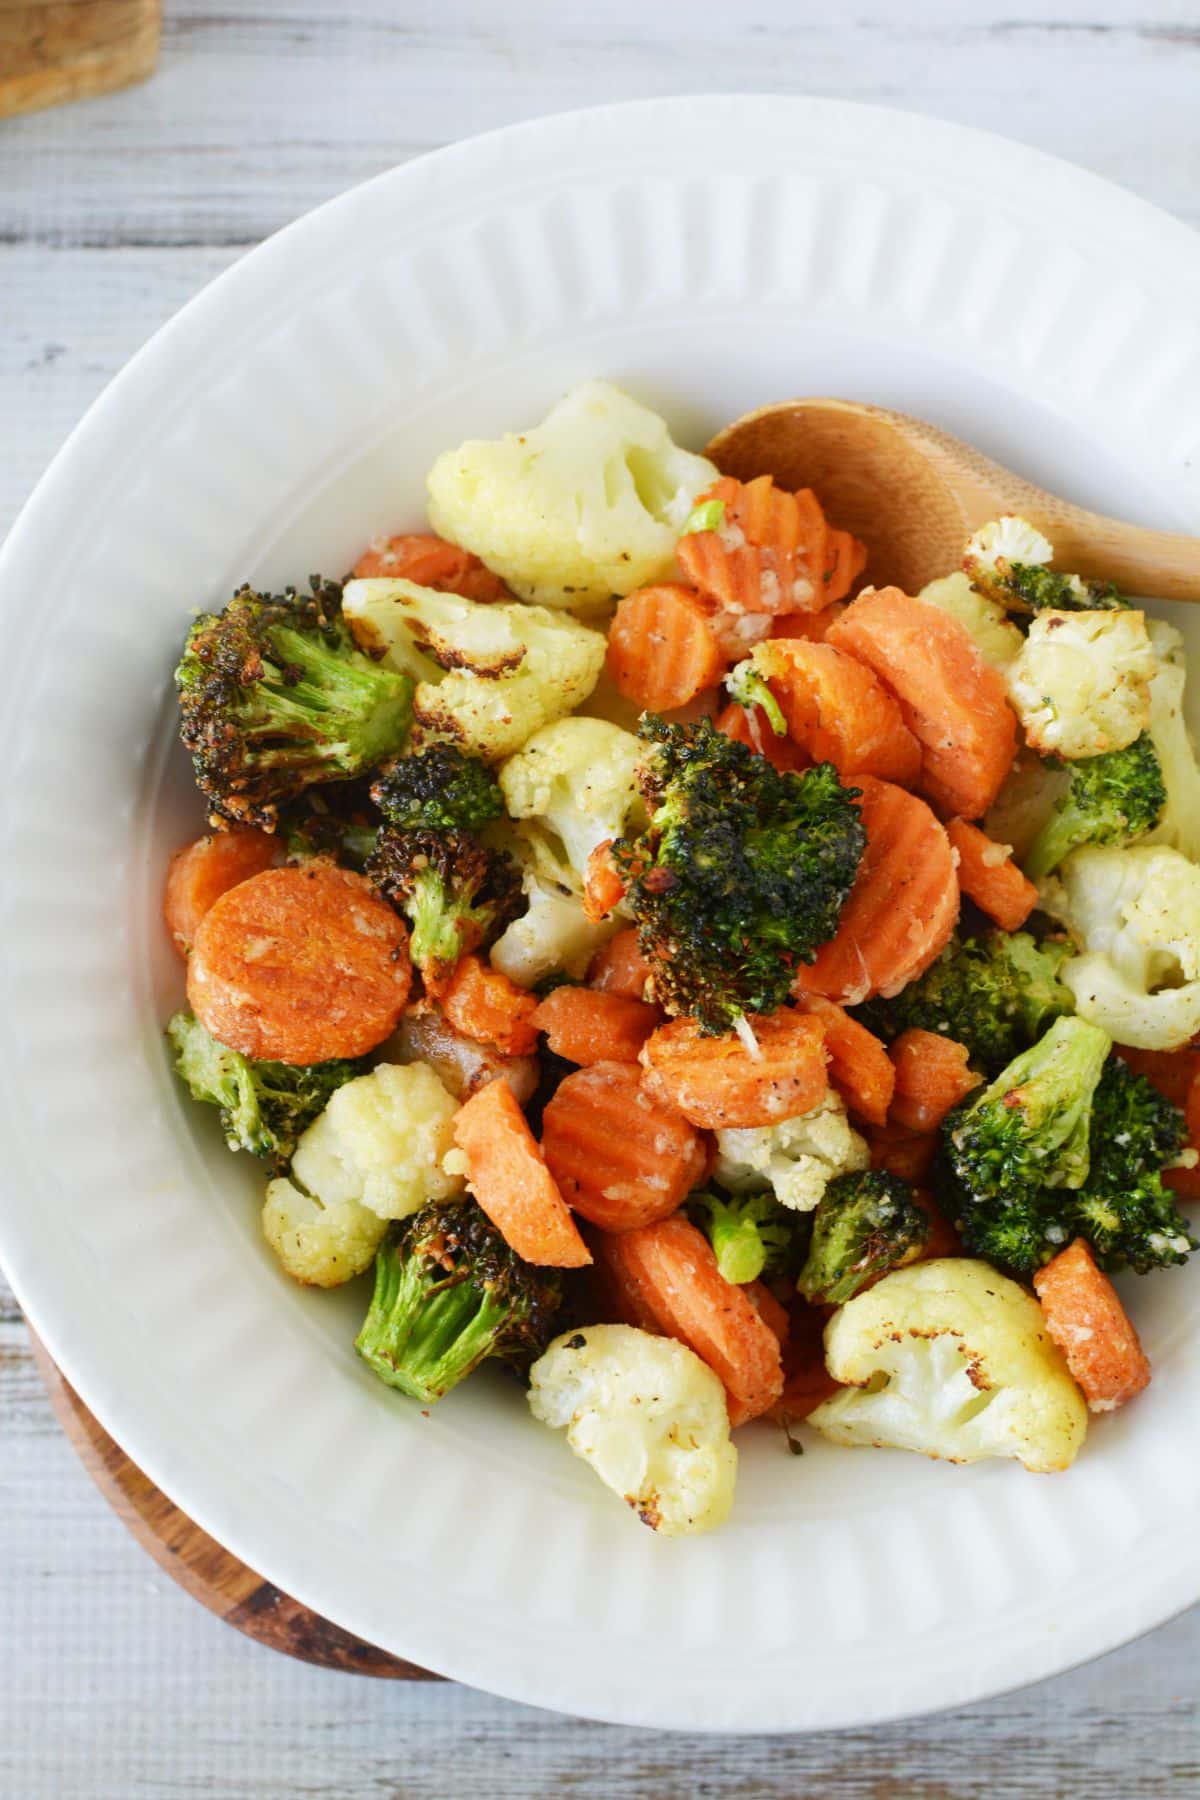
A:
(197, 1562)
(57, 50)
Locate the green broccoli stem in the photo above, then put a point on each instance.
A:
(737, 1244)
(437, 936)
(750, 689)
(423, 1336)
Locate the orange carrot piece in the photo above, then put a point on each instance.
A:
(908, 1154)
(432, 563)
(767, 556)
(902, 908)
(813, 626)
(671, 1275)
(662, 650)
(1172, 1072)
(859, 1066)
(988, 875)
(750, 726)
(619, 967)
(300, 965)
(931, 1077)
(619, 1157)
(953, 701)
(483, 1004)
(845, 560)
(1092, 1329)
(715, 1082)
(1185, 1182)
(806, 1380)
(838, 710)
(201, 872)
(508, 1176)
(586, 1026)
(772, 1312)
(603, 887)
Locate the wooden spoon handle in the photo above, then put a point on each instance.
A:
(1164, 565)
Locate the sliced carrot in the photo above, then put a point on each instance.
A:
(902, 908)
(908, 1154)
(716, 1082)
(508, 1176)
(671, 1275)
(619, 1156)
(432, 563)
(953, 701)
(619, 967)
(838, 711)
(483, 1004)
(813, 626)
(859, 1066)
(1091, 1328)
(932, 1076)
(300, 965)
(845, 560)
(750, 726)
(771, 1311)
(988, 875)
(603, 887)
(806, 1380)
(768, 554)
(662, 650)
(1172, 1072)
(201, 872)
(736, 632)
(587, 1026)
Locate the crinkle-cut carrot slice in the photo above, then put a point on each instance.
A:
(902, 908)
(838, 711)
(619, 967)
(988, 875)
(845, 560)
(432, 563)
(908, 1154)
(508, 1176)
(952, 700)
(603, 885)
(583, 1025)
(736, 632)
(671, 1276)
(1091, 1328)
(770, 1310)
(717, 1082)
(768, 553)
(751, 726)
(201, 872)
(300, 965)
(932, 1076)
(481, 1003)
(662, 650)
(619, 1157)
(813, 626)
(860, 1068)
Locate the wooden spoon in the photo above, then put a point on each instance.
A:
(915, 494)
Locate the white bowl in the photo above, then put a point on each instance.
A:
(711, 255)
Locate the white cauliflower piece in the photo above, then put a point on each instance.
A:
(321, 1244)
(952, 1360)
(996, 637)
(798, 1158)
(383, 1140)
(554, 935)
(1180, 823)
(648, 1415)
(588, 504)
(1135, 912)
(992, 550)
(1081, 684)
(487, 677)
(578, 779)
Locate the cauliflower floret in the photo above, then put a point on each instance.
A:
(798, 1158)
(487, 677)
(318, 1243)
(1081, 684)
(383, 1140)
(554, 935)
(996, 637)
(1135, 912)
(950, 1359)
(992, 550)
(588, 504)
(578, 778)
(1180, 823)
(648, 1415)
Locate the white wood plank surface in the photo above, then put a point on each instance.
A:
(112, 214)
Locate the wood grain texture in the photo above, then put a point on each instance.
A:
(51, 53)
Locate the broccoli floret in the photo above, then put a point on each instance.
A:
(751, 1234)
(995, 992)
(438, 789)
(1008, 561)
(865, 1224)
(276, 697)
(1112, 799)
(264, 1105)
(448, 1294)
(749, 688)
(740, 875)
(1124, 1209)
(456, 893)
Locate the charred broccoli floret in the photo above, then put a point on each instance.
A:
(996, 993)
(264, 1105)
(1113, 798)
(865, 1224)
(438, 789)
(449, 1293)
(456, 893)
(751, 1234)
(337, 821)
(741, 873)
(1030, 588)
(1124, 1209)
(275, 696)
